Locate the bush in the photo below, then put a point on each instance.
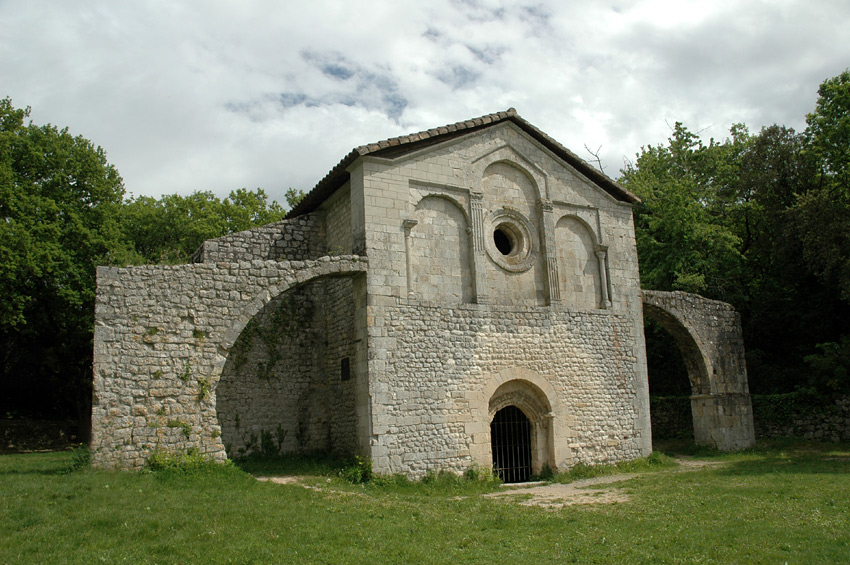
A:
(80, 458)
(358, 471)
(189, 463)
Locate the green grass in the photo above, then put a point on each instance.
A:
(785, 502)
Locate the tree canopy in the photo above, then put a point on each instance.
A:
(761, 221)
(63, 212)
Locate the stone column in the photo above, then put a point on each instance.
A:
(479, 255)
(547, 245)
(409, 225)
(601, 254)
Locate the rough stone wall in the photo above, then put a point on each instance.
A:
(671, 418)
(337, 213)
(162, 337)
(282, 378)
(829, 422)
(442, 358)
(296, 239)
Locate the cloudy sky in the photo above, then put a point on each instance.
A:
(217, 95)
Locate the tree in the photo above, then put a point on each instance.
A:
(293, 197)
(59, 202)
(824, 212)
(170, 229)
(728, 220)
(62, 213)
(682, 242)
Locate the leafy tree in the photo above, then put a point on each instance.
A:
(62, 212)
(293, 197)
(170, 229)
(824, 212)
(731, 220)
(682, 242)
(59, 202)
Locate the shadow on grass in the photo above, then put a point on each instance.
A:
(312, 464)
(773, 456)
(42, 463)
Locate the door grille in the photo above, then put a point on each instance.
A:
(510, 437)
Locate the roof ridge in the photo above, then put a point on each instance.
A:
(338, 175)
(434, 132)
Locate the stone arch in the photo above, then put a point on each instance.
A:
(513, 183)
(509, 155)
(697, 363)
(281, 384)
(535, 397)
(439, 252)
(304, 272)
(581, 272)
(708, 333)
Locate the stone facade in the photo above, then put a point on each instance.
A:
(502, 272)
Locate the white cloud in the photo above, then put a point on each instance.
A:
(219, 95)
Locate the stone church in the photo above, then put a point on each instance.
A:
(467, 296)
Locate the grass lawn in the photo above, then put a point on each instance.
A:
(774, 504)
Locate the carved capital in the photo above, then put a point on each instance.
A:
(545, 205)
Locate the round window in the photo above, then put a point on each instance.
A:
(512, 245)
(505, 240)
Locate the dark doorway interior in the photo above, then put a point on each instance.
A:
(510, 436)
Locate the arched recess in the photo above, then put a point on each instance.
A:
(288, 380)
(580, 272)
(438, 251)
(513, 226)
(533, 403)
(511, 185)
(508, 155)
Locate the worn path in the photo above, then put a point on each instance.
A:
(596, 490)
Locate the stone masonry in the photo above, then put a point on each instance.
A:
(501, 274)
(708, 333)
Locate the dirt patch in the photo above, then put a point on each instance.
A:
(290, 480)
(597, 490)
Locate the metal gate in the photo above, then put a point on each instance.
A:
(510, 439)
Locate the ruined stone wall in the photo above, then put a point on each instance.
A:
(281, 389)
(714, 328)
(708, 333)
(162, 337)
(442, 358)
(296, 239)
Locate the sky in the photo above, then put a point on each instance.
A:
(218, 95)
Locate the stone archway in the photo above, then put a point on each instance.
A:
(523, 396)
(282, 388)
(708, 333)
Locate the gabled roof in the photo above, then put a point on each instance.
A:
(396, 146)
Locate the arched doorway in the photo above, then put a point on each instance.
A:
(510, 438)
(521, 438)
